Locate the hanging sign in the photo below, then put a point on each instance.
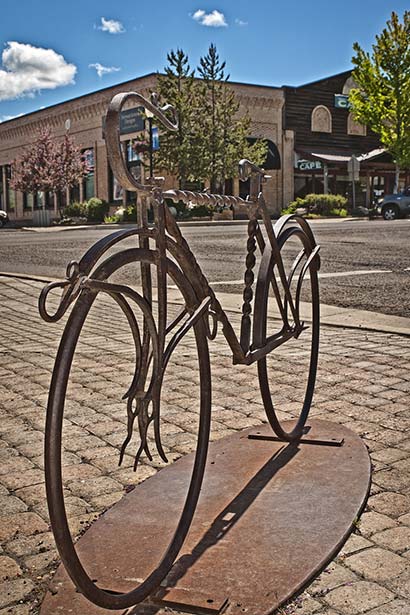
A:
(155, 138)
(308, 165)
(131, 120)
(342, 101)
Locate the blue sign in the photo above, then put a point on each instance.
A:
(132, 120)
(155, 138)
(342, 101)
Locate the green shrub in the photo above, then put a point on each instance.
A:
(292, 207)
(96, 210)
(75, 210)
(341, 213)
(320, 204)
(130, 214)
(114, 219)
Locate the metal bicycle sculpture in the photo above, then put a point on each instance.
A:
(156, 340)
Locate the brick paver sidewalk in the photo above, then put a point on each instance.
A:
(363, 382)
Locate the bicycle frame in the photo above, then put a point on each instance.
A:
(89, 276)
(242, 349)
(252, 344)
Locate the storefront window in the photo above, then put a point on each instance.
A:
(28, 201)
(2, 203)
(39, 200)
(89, 186)
(88, 182)
(75, 194)
(11, 195)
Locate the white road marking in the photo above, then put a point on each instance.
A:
(336, 274)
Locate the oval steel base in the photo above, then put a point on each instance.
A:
(271, 515)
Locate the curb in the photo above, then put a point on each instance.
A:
(187, 223)
(331, 316)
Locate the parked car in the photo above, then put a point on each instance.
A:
(3, 218)
(393, 206)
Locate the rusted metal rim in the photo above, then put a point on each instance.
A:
(266, 272)
(55, 412)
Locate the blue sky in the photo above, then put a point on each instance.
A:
(52, 51)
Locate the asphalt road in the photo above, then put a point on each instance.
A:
(365, 264)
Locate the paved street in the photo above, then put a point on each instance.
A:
(365, 265)
(363, 383)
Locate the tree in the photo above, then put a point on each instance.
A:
(211, 139)
(224, 134)
(180, 151)
(48, 166)
(382, 97)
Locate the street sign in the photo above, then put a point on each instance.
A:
(353, 167)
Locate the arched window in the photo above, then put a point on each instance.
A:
(321, 120)
(354, 127)
(349, 85)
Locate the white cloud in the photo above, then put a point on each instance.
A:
(5, 118)
(111, 25)
(103, 70)
(239, 22)
(215, 19)
(28, 69)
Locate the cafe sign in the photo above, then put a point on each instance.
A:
(342, 101)
(308, 165)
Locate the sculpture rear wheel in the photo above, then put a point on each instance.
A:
(295, 248)
(85, 582)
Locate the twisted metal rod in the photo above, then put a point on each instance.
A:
(203, 198)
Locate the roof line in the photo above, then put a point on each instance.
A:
(124, 83)
(117, 85)
(303, 85)
(69, 100)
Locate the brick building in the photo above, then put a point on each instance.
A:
(83, 117)
(310, 131)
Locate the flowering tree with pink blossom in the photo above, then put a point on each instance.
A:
(48, 166)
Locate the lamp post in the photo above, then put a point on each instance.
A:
(149, 115)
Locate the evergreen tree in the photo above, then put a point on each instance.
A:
(224, 134)
(382, 98)
(180, 152)
(211, 139)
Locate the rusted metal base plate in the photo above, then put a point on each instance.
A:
(270, 517)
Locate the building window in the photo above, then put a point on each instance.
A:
(349, 85)
(11, 195)
(321, 119)
(88, 182)
(28, 201)
(354, 127)
(2, 203)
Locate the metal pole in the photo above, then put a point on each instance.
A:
(353, 193)
(151, 161)
(325, 179)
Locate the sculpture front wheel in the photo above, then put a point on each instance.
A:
(300, 266)
(142, 403)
